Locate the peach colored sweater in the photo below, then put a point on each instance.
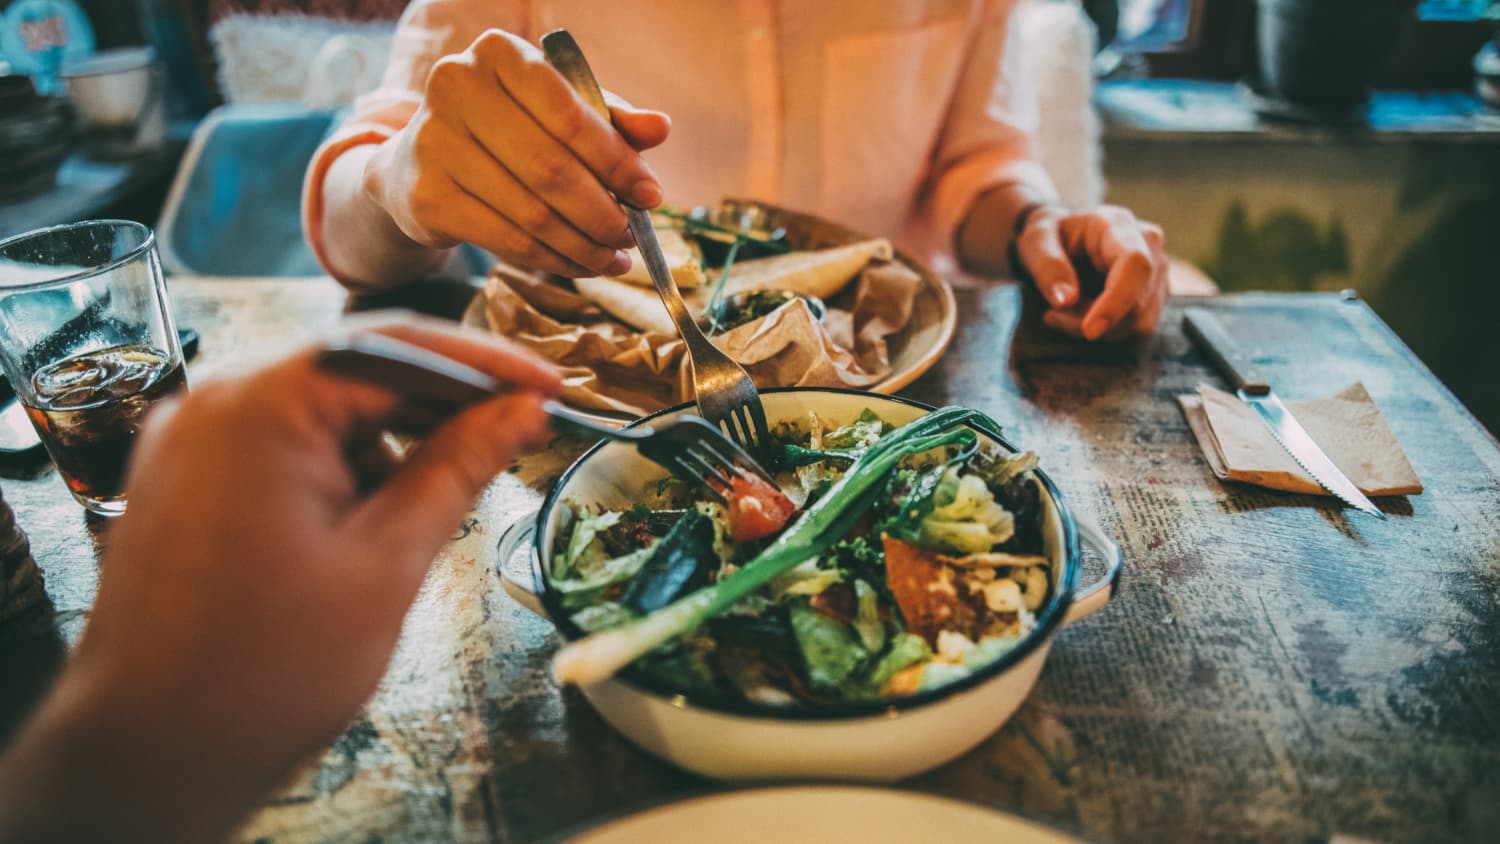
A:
(889, 116)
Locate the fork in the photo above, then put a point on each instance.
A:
(726, 396)
(690, 448)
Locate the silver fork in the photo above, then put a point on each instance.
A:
(726, 395)
(690, 448)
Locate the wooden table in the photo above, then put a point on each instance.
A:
(1273, 669)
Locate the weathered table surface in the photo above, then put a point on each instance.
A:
(1273, 669)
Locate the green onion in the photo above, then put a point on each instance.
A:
(712, 311)
(599, 656)
(690, 223)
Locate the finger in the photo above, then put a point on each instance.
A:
(416, 510)
(478, 223)
(319, 405)
(1114, 243)
(1149, 313)
(316, 405)
(496, 356)
(1123, 288)
(372, 457)
(1041, 251)
(1068, 321)
(642, 128)
(550, 103)
(489, 181)
(1155, 237)
(548, 168)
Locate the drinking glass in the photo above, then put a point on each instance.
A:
(88, 342)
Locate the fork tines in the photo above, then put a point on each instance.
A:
(711, 475)
(746, 426)
(714, 470)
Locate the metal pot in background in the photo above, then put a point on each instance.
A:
(1327, 53)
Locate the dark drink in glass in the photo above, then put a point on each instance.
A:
(88, 409)
(88, 342)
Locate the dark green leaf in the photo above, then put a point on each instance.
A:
(679, 561)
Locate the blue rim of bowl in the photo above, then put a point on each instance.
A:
(1047, 623)
(114, 263)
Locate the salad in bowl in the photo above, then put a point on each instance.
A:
(941, 567)
(878, 606)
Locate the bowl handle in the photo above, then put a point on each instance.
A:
(515, 569)
(1093, 597)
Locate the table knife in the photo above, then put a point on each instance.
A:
(1204, 330)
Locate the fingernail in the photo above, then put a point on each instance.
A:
(1058, 293)
(645, 194)
(619, 266)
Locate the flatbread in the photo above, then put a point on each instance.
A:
(637, 307)
(682, 260)
(820, 273)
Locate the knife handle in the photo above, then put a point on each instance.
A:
(1208, 333)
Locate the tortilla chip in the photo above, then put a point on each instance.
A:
(925, 590)
(821, 273)
(682, 260)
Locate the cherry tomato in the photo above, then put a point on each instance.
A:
(757, 509)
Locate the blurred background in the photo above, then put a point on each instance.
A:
(1308, 145)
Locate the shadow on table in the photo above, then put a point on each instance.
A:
(547, 793)
(1061, 374)
(444, 299)
(32, 651)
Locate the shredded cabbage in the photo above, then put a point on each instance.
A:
(585, 551)
(965, 517)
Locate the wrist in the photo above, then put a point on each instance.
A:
(985, 239)
(135, 768)
(363, 243)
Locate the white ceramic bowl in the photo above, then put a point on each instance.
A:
(110, 89)
(877, 741)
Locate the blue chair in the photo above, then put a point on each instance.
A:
(235, 208)
(235, 204)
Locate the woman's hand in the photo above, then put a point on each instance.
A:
(1129, 254)
(504, 155)
(251, 597)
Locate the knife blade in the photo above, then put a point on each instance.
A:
(1204, 329)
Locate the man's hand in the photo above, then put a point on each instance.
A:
(251, 596)
(1129, 254)
(504, 155)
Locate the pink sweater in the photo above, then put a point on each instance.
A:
(889, 116)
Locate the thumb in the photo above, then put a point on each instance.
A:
(1041, 251)
(643, 128)
(415, 511)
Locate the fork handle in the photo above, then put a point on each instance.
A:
(666, 288)
(426, 377)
